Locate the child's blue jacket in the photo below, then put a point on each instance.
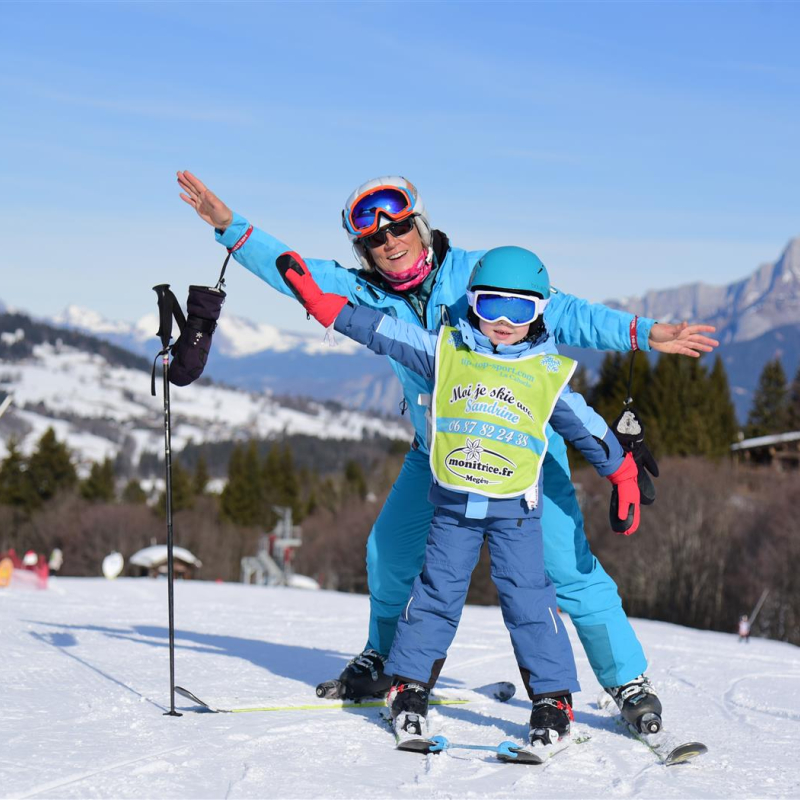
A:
(415, 349)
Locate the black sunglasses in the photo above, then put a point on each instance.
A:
(397, 229)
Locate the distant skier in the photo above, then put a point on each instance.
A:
(56, 560)
(413, 271)
(744, 629)
(497, 384)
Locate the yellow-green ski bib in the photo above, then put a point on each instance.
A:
(489, 416)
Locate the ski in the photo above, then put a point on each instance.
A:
(508, 752)
(502, 690)
(513, 753)
(208, 708)
(667, 747)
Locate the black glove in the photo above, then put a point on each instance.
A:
(190, 352)
(629, 430)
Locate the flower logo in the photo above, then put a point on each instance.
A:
(473, 450)
(551, 363)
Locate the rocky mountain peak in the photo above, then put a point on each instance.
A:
(744, 310)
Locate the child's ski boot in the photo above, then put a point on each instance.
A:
(408, 704)
(549, 731)
(362, 677)
(550, 721)
(638, 704)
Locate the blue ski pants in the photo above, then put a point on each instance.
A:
(396, 552)
(527, 597)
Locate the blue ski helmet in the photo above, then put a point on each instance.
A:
(512, 269)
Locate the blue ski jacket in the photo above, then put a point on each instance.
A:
(415, 348)
(569, 319)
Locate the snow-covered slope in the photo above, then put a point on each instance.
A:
(258, 356)
(86, 682)
(101, 409)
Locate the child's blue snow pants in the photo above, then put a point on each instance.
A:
(428, 623)
(396, 551)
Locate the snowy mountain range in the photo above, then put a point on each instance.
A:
(97, 398)
(743, 311)
(261, 357)
(757, 318)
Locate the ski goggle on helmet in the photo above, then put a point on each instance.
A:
(392, 198)
(511, 284)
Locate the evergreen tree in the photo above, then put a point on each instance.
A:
(100, 486)
(133, 493)
(678, 401)
(242, 499)
(355, 482)
(201, 476)
(50, 467)
(16, 487)
(793, 408)
(182, 490)
(310, 483)
(609, 394)
(723, 425)
(769, 411)
(311, 504)
(329, 496)
(272, 485)
(289, 493)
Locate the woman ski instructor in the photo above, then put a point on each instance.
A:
(411, 271)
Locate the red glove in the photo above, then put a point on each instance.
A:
(323, 307)
(624, 510)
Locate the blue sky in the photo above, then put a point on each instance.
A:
(632, 145)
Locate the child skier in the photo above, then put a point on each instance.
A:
(744, 629)
(496, 385)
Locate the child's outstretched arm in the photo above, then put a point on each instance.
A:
(587, 430)
(409, 345)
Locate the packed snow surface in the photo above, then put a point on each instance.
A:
(86, 682)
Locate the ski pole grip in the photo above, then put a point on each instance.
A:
(164, 313)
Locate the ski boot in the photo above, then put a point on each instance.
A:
(549, 732)
(408, 705)
(362, 677)
(550, 721)
(638, 704)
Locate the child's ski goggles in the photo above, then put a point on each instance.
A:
(391, 201)
(516, 309)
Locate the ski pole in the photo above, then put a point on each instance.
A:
(757, 609)
(165, 334)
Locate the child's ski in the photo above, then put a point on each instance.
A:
(513, 753)
(508, 752)
(667, 747)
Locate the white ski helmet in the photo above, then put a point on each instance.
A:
(395, 199)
